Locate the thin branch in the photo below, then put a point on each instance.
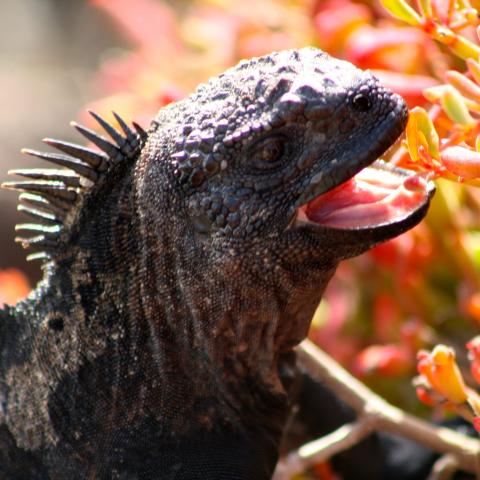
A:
(325, 447)
(444, 468)
(384, 416)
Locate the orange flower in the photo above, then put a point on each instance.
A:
(442, 373)
(13, 286)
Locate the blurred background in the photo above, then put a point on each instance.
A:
(49, 53)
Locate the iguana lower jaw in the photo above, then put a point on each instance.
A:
(378, 196)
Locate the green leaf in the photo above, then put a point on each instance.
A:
(403, 11)
(454, 106)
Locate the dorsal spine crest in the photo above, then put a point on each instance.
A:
(51, 195)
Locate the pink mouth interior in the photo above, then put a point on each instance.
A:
(373, 197)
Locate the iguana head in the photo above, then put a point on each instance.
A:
(262, 154)
(258, 179)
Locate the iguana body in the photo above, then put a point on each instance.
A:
(181, 268)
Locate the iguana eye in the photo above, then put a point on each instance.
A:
(268, 153)
(361, 102)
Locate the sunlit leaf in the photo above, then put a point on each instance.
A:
(463, 47)
(402, 10)
(426, 8)
(463, 84)
(461, 161)
(474, 69)
(434, 94)
(454, 106)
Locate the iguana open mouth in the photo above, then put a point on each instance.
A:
(378, 195)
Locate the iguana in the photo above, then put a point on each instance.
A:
(183, 264)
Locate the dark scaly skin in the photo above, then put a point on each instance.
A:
(159, 344)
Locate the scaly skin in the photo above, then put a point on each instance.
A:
(159, 344)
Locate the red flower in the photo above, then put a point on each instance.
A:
(391, 360)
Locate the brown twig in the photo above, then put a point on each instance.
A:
(374, 414)
(444, 468)
(323, 448)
